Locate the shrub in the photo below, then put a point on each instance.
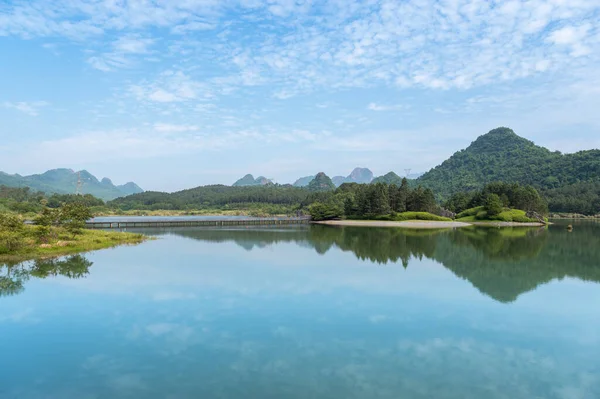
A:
(10, 222)
(11, 241)
(470, 212)
(418, 216)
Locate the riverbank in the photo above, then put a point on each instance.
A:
(424, 224)
(409, 224)
(508, 224)
(28, 247)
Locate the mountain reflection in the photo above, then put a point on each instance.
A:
(14, 275)
(501, 263)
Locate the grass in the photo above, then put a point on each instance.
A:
(478, 214)
(64, 243)
(407, 216)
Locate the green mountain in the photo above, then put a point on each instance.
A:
(64, 181)
(501, 155)
(388, 178)
(249, 180)
(321, 182)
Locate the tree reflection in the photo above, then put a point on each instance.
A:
(502, 263)
(14, 275)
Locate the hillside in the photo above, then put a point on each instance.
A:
(502, 155)
(388, 178)
(64, 181)
(321, 182)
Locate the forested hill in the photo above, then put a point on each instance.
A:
(64, 181)
(502, 155)
(214, 196)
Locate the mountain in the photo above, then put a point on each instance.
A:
(338, 180)
(360, 175)
(388, 178)
(64, 181)
(249, 180)
(303, 181)
(321, 182)
(130, 188)
(502, 155)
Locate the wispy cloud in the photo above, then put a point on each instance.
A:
(29, 108)
(388, 107)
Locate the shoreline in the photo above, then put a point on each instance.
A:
(409, 224)
(423, 224)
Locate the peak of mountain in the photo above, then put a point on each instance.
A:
(129, 188)
(361, 176)
(502, 155)
(499, 140)
(303, 181)
(65, 181)
(249, 180)
(321, 182)
(388, 178)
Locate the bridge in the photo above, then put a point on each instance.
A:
(91, 224)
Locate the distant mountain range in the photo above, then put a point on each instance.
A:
(249, 180)
(359, 175)
(64, 181)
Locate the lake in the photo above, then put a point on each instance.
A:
(310, 312)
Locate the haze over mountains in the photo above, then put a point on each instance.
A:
(64, 181)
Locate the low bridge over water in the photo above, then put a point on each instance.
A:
(124, 224)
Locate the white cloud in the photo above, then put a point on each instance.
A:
(133, 44)
(29, 108)
(381, 107)
(171, 87)
(170, 128)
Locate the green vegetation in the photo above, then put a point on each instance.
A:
(496, 196)
(374, 201)
(57, 231)
(570, 181)
(269, 198)
(480, 214)
(23, 201)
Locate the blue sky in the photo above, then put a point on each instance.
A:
(175, 94)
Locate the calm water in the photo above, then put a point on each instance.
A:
(310, 312)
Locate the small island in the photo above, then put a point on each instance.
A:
(390, 205)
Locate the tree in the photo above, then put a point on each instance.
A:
(74, 215)
(319, 211)
(399, 196)
(493, 205)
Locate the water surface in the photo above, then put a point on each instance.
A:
(310, 312)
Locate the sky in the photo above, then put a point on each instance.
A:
(173, 94)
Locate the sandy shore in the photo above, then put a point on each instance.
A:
(409, 224)
(508, 224)
(423, 224)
